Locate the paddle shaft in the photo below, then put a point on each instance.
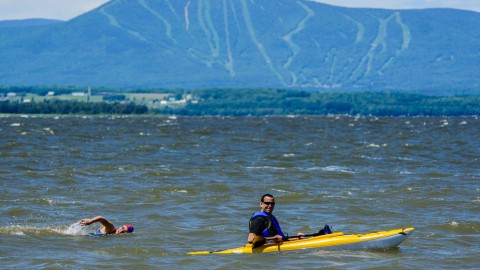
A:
(306, 235)
(326, 230)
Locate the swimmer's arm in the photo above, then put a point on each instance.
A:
(108, 226)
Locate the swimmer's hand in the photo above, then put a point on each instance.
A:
(86, 222)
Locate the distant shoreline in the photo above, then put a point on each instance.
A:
(228, 102)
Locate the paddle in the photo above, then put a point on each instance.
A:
(326, 230)
(260, 240)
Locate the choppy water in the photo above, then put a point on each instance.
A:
(191, 184)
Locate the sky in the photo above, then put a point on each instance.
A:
(68, 9)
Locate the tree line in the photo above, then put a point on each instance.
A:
(258, 102)
(71, 107)
(285, 102)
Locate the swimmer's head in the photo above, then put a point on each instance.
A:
(127, 228)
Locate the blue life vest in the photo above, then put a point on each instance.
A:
(271, 219)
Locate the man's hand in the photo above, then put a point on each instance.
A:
(85, 222)
(88, 221)
(277, 238)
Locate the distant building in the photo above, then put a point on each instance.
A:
(11, 94)
(78, 94)
(51, 93)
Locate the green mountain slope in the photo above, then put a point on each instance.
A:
(240, 43)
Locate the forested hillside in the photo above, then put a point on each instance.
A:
(295, 44)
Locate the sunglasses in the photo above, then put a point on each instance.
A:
(269, 203)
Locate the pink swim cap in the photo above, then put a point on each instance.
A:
(129, 228)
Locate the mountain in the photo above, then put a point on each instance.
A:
(248, 43)
(27, 22)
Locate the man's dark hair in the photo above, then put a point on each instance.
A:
(266, 195)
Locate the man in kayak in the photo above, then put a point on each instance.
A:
(107, 226)
(264, 225)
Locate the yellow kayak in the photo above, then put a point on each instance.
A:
(334, 241)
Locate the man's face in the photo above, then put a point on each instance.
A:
(267, 205)
(121, 230)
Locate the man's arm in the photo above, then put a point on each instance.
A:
(300, 235)
(257, 226)
(108, 227)
(250, 238)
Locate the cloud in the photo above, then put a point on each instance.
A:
(407, 4)
(49, 9)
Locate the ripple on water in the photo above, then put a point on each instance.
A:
(189, 183)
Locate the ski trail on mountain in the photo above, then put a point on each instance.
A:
(172, 9)
(168, 26)
(360, 30)
(212, 38)
(205, 21)
(366, 64)
(380, 40)
(186, 14)
(405, 43)
(407, 36)
(338, 67)
(235, 15)
(331, 74)
(229, 62)
(288, 37)
(260, 47)
(113, 22)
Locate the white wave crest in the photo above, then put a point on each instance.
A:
(74, 229)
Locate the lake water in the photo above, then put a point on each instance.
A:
(191, 183)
